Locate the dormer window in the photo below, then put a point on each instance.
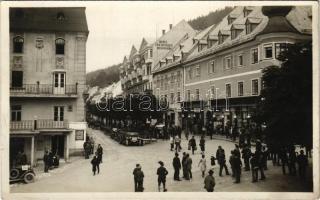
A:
(246, 11)
(222, 36)
(236, 29)
(211, 40)
(60, 16)
(251, 24)
(18, 44)
(60, 46)
(231, 19)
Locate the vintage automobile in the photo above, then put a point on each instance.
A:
(22, 173)
(129, 138)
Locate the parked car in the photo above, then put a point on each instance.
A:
(22, 173)
(129, 138)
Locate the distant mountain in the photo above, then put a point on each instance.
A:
(108, 75)
(104, 77)
(205, 21)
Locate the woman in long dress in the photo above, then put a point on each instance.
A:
(203, 165)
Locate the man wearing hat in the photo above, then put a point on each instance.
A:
(162, 173)
(138, 178)
(209, 182)
(177, 166)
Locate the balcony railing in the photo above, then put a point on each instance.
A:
(38, 124)
(44, 89)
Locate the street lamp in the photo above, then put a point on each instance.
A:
(217, 99)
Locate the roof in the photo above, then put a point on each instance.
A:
(71, 19)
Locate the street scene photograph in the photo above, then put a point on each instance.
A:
(161, 97)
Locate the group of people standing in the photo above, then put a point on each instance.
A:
(50, 160)
(97, 160)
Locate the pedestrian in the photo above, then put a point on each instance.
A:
(254, 168)
(94, 163)
(237, 164)
(171, 143)
(265, 157)
(176, 166)
(246, 154)
(202, 144)
(234, 133)
(46, 161)
(292, 161)
(192, 144)
(221, 157)
(237, 150)
(50, 160)
(302, 161)
(138, 176)
(209, 182)
(284, 159)
(184, 165)
(162, 173)
(203, 165)
(177, 142)
(231, 162)
(99, 153)
(260, 161)
(189, 167)
(213, 161)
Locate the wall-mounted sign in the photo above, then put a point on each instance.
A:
(163, 44)
(79, 134)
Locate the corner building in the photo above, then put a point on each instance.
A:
(223, 75)
(48, 77)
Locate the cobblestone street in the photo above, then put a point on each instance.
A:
(119, 162)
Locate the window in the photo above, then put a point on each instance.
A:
(172, 78)
(60, 46)
(188, 95)
(246, 12)
(60, 16)
(17, 79)
(254, 55)
(228, 90)
(240, 60)
(70, 108)
(240, 89)
(268, 51)
(58, 113)
(18, 44)
(227, 62)
(151, 53)
(230, 20)
(178, 76)
(178, 97)
(212, 92)
(198, 70)
(171, 97)
(211, 67)
(79, 134)
(16, 113)
(280, 47)
(235, 33)
(197, 94)
(190, 72)
(166, 82)
(255, 87)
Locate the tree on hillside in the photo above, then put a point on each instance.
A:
(286, 98)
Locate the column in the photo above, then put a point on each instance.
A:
(32, 152)
(66, 147)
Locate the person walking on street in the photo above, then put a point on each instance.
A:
(292, 161)
(189, 167)
(246, 154)
(94, 163)
(284, 159)
(302, 161)
(177, 142)
(171, 143)
(138, 176)
(99, 153)
(46, 161)
(260, 160)
(184, 165)
(192, 144)
(176, 166)
(162, 174)
(202, 144)
(254, 168)
(221, 157)
(209, 182)
(231, 162)
(237, 164)
(203, 165)
(265, 157)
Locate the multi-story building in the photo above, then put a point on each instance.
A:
(223, 75)
(48, 76)
(135, 72)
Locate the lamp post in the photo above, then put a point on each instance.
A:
(217, 99)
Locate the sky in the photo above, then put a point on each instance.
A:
(116, 26)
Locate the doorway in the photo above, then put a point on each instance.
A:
(57, 145)
(59, 80)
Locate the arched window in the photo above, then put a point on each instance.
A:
(60, 46)
(18, 44)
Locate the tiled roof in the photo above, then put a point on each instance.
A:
(238, 26)
(71, 19)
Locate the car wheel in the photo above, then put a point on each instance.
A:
(28, 177)
(14, 173)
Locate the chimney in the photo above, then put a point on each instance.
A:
(163, 32)
(170, 26)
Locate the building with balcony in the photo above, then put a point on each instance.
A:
(222, 80)
(136, 70)
(47, 81)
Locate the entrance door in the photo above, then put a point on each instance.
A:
(57, 145)
(59, 83)
(16, 146)
(17, 79)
